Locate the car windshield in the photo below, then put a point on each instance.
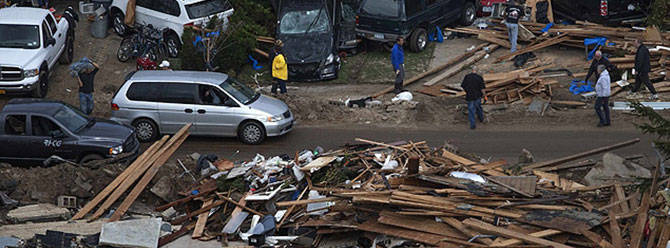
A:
(207, 8)
(19, 36)
(304, 21)
(70, 117)
(382, 8)
(241, 92)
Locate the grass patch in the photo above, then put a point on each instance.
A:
(366, 68)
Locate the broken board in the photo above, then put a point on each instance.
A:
(318, 163)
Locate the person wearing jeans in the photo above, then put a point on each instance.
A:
(513, 13)
(603, 96)
(642, 69)
(86, 78)
(473, 85)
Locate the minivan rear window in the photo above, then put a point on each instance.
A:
(143, 91)
(207, 8)
(382, 8)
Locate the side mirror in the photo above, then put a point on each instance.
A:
(51, 42)
(230, 103)
(57, 134)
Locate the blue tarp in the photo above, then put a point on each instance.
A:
(254, 63)
(577, 87)
(547, 27)
(439, 37)
(598, 41)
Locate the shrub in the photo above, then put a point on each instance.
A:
(237, 41)
(660, 14)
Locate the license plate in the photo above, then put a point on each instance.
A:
(487, 9)
(2, 92)
(379, 36)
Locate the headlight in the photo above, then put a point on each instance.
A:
(115, 150)
(330, 59)
(31, 73)
(275, 118)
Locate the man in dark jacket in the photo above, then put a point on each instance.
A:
(598, 59)
(642, 69)
(398, 61)
(473, 85)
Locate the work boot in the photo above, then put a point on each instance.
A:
(653, 97)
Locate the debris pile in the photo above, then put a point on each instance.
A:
(392, 194)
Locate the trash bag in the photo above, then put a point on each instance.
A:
(76, 67)
(521, 59)
(577, 87)
(403, 96)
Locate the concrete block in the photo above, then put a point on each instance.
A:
(140, 233)
(67, 201)
(614, 167)
(164, 189)
(38, 212)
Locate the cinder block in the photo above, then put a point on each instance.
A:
(67, 201)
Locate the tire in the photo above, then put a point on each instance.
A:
(469, 14)
(387, 46)
(173, 45)
(124, 51)
(42, 87)
(145, 130)
(66, 57)
(89, 158)
(118, 24)
(251, 133)
(418, 40)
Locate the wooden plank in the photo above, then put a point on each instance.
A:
(494, 40)
(196, 212)
(490, 166)
(185, 199)
(638, 228)
(174, 143)
(518, 191)
(422, 224)
(239, 204)
(434, 70)
(620, 194)
(540, 234)
(130, 180)
(618, 202)
(595, 238)
(373, 226)
(453, 222)
(665, 235)
(579, 155)
(308, 201)
(141, 160)
(488, 228)
(458, 159)
(462, 66)
(318, 163)
(546, 43)
(202, 221)
(381, 144)
(288, 212)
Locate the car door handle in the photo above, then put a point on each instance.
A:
(60, 35)
(188, 110)
(202, 111)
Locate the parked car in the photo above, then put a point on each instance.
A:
(161, 102)
(32, 130)
(607, 12)
(486, 7)
(172, 15)
(31, 42)
(310, 49)
(385, 20)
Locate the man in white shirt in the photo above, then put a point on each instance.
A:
(603, 96)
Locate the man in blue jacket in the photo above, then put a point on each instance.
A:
(398, 61)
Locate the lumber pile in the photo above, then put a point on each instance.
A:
(145, 167)
(372, 190)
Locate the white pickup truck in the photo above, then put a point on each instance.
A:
(31, 41)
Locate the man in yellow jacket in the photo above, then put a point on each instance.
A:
(279, 69)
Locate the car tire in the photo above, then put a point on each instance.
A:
(469, 14)
(42, 87)
(145, 130)
(66, 57)
(90, 157)
(118, 24)
(173, 44)
(418, 40)
(251, 133)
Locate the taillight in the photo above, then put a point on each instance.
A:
(115, 107)
(604, 8)
(357, 20)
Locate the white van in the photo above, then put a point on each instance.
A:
(170, 14)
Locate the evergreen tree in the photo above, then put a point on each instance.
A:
(657, 126)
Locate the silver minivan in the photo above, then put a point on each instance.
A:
(161, 102)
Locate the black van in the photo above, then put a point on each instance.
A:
(385, 20)
(606, 12)
(306, 28)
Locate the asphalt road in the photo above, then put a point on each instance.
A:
(544, 143)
